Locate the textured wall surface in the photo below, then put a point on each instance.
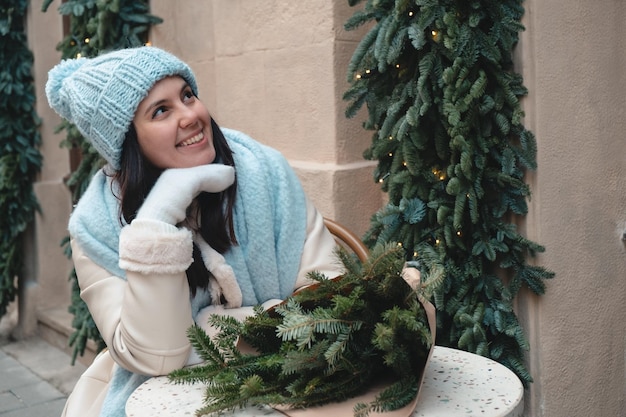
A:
(51, 268)
(276, 70)
(573, 60)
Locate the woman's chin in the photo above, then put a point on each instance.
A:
(197, 157)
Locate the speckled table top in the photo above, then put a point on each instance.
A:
(456, 383)
(459, 383)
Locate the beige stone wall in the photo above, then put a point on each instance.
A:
(573, 59)
(45, 30)
(276, 70)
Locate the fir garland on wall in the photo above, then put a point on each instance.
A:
(94, 27)
(20, 159)
(437, 79)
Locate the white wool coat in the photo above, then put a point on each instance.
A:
(144, 318)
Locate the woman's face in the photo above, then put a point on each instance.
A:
(173, 126)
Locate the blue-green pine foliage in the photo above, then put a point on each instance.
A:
(443, 100)
(328, 342)
(20, 159)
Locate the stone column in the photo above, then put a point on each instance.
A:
(276, 71)
(47, 287)
(572, 56)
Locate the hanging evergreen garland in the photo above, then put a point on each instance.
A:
(20, 159)
(95, 27)
(437, 79)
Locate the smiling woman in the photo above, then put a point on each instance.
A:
(185, 219)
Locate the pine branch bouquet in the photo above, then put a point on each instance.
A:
(329, 342)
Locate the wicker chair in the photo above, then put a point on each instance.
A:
(347, 238)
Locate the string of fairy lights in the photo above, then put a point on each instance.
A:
(439, 174)
(86, 41)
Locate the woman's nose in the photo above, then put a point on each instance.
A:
(188, 117)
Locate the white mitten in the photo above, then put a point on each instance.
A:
(177, 187)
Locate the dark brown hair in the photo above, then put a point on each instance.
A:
(137, 176)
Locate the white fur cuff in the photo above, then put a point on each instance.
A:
(150, 250)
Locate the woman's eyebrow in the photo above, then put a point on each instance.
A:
(164, 100)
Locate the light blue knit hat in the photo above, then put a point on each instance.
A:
(100, 95)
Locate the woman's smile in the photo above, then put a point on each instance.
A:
(191, 141)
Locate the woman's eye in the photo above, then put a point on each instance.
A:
(188, 94)
(158, 111)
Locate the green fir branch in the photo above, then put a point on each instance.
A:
(328, 342)
(20, 159)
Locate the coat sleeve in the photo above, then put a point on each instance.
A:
(143, 319)
(319, 249)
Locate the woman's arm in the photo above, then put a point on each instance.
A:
(319, 249)
(143, 319)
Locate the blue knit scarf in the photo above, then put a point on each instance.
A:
(270, 226)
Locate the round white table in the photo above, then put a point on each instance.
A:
(456, 383)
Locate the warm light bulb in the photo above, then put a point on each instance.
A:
(390, 154)
(411, 13)
(78, 55)
(459, 234)
(437, 242)
(358, 76)
(87, 40)
(400, 244)
(367, 71)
